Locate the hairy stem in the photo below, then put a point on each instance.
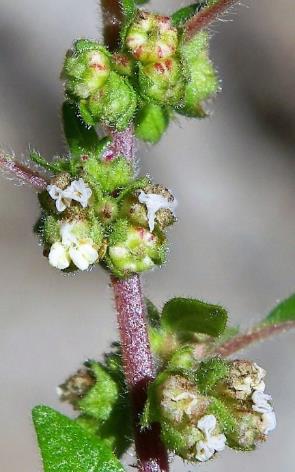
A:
(112, 19)
(202, 19)
(139, 369)
(23, 173)
(137, 358)
(259, 334)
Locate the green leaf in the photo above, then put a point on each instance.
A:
(183, 14)
(284, 311)
(195, 316)
(99, 401)
(66, 447)
(81, 139)
(210, 373)
(129, 8)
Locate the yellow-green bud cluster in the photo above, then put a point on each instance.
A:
(103, 215)
(153, 75)
(201, 411)
(92, 81)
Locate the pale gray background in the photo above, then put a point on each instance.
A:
(234, 244)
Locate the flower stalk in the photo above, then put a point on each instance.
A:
(23, 173)
(261, 334)
(202, 19)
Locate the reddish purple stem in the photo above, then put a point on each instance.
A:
(23, 173)
(202, 19)
(139, 369)
(123, 144)
(245, 340)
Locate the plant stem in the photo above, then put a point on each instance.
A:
(139, 369)
(259, 334)
(136, 353)
(205, 17)
(23, 173)
(112, 19)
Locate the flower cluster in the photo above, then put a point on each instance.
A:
(102, 214)
(153, 75)
(217, 404)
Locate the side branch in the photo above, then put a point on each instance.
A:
(202, 19)
(23, 173)
(245, 340)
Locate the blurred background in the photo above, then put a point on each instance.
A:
(233, 175)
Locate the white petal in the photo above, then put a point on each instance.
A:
(260, 402)
(207, 424)
(67, 236)
(57, 194)
(269, 422)
(79, 192)
(88, 251)
(83, 256)
(204, 452)
(217, 442)
(58, 256)
(153, 203)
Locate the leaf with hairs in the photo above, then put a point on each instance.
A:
(66, 447)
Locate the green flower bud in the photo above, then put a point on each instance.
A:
(162, 82)
(51, 230)
(135, 249)
(248, 431)
(151, 38)
(122, 63)
(106, 210)
(152, 121)
(86, 68)
(109, 175)
(114, 104)
(202, 81)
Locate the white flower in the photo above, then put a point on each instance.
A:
(212, 442)
(71, 248)
(153, 203)
(268, 422)
(57, 194)
(260, 402)
(83, 255)
(59, 256)
(79, 192)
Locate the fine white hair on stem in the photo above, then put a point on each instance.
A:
(20, 173)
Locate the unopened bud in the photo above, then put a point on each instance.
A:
(114, 104)
(162, 82)
(151, 38)
(86, 68)
(139, 250)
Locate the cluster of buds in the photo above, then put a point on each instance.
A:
(92, 80)
(220, 403)
(153, 75)
(103, 215)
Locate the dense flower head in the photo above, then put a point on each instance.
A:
(215, 404)
(154, 74)
(88, 218)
